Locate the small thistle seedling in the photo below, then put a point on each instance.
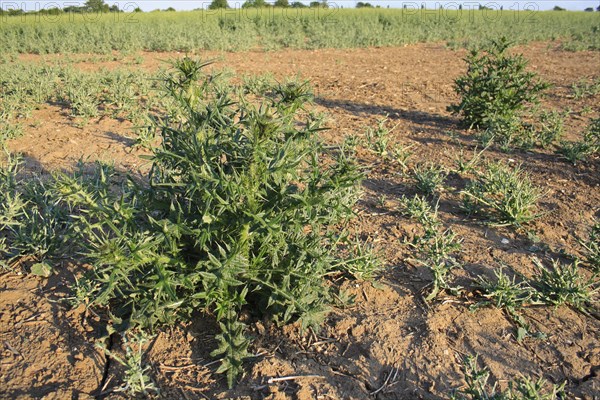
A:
(12, 204)
(574, 151)
(378, 139)
(429, 178)
(258, 85)
(464, 166)
(417, 207)
(364, 261)
(591, 247)
(83, 98)
(12, 208)
(350, 143)
(10, 130)
(137, 379)
(486, 137)
(502, 194)
(504, 292)
(33, 222)
(585, 88)
(564, 285)
(510, 296)
(145, 136)
(439, 250)
(551, 128)
(402, 154)
(478, 387)
(436, 247)
(590, 145)
(293, 94)
(585, 110)
(592, 135)
(523, 388)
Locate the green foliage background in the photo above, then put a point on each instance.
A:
(275, 28)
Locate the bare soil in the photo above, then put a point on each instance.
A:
(390, 344)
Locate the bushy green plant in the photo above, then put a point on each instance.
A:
(496, 87)
(502, 194)
(239, 213)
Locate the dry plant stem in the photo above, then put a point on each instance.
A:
(292, 378)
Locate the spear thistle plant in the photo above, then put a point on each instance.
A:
(238, 213)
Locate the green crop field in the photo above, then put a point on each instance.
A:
(273, 28)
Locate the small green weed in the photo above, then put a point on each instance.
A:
(378, 139)
(418, 208)
(574, 151)
(510, 296)
(137, 381)
(463, 166)
(564, 285)
(591, 247)
(436, 246)
(523, 388)
(33, 222)
(551, 128)
(12, 206)
(351, 143)
(258, 85)
(581, 150)
(585, 88)
(429, 178)
(502, 194)
(401, 155)
(546, 128)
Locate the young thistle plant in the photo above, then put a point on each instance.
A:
(436, 246)
(478, 386)
(502, 194)
(378, 138)
(429, 178)
(591, 247)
